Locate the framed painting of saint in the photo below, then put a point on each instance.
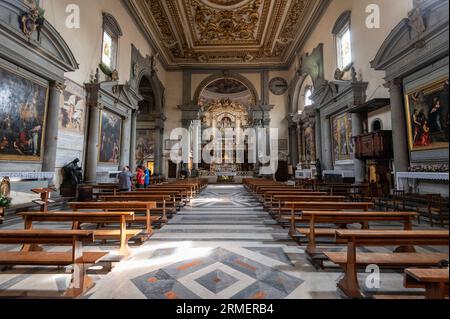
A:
(343, 148)
(110, 138)
(427, 116)
(23, 106)
(145, 146)
(72, 111)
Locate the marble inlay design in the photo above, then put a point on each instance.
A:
(217, 272)
(217, 281)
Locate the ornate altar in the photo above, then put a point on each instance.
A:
(222, 115)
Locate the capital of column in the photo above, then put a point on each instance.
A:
(392, 84)
(56, 85)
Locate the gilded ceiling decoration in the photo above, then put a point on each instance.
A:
(226, 2)
(217, 33)
(226, 25)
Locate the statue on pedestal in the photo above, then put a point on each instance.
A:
(72, 177)
(319, 169)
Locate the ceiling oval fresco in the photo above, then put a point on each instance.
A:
(226, 86)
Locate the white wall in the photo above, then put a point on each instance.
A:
(365, 42)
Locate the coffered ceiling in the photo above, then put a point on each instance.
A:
(226, 33)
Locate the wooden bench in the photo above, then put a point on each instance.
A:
(435, 281)
(280, 200)
(343, 219)
(164, 203)
(323, 206)
(104, 189)
(351, 260)
(80, 282)
(79, 218)
(123, 206)
(268, 195)
(179, 198)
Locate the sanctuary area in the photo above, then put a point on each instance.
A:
(224, 149)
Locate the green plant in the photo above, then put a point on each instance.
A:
(5, 202)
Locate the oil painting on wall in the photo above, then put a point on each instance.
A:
(428, 117)
(110, 138)
(72, 112)
(145, 146)
(343, 148)
(22, 117)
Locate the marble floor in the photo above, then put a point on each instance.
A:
(222, 245)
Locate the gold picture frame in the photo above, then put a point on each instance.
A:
(101, 157)
(343, 148)
(35, 88)
(426, 110)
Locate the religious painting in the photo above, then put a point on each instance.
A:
(22, 117)
(72, 111)
(343, 148)
(110, 138)
(427, 116)
(226, 89)
(145, 146)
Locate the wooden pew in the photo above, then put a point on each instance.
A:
(164, 203)
(104, 189)
(278, 203)
(79, 218)
(122, 206)
(179, 197)
(327, 206)
(189, 190)
(268, 195)
(435, 281)
(351, 260)
(80, 281)
(343, 218)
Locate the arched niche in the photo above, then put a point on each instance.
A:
(145, 83)
(226, 76)
(309, 66)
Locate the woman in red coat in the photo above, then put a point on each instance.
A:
(140, 177)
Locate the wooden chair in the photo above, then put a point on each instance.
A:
(436, 206)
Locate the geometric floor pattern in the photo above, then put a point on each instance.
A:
(222, 275)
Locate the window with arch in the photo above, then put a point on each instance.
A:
(377, 125)
(343, 36)
(110, 42)
(308, 96)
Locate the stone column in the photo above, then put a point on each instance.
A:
(125, 144)
(318, 137)
(133, 141)
(399, 135)
(359, 165)
(92, 144)
(327, 148)
(159, 137)
(293, 138)
(51, 129)
(300, 143)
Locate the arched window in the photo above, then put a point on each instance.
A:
(308, 96)
(110, 43)
(377, 125)
(343, 36)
